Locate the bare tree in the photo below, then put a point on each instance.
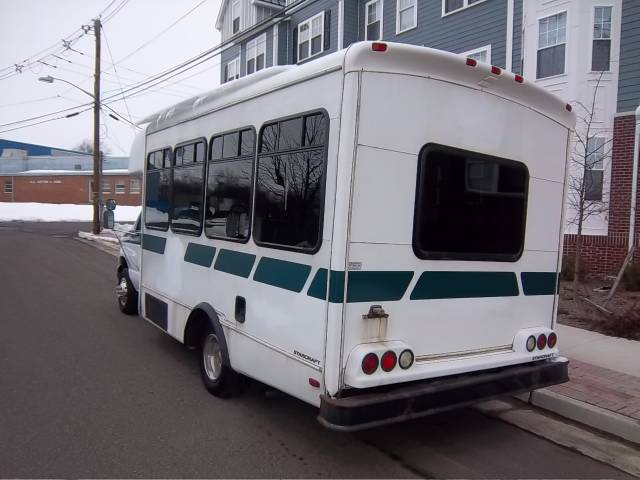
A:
(586, 194)
(87, 147)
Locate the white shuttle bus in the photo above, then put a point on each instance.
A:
(377, 232)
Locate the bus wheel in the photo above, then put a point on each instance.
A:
(218, 377)
(127, 295)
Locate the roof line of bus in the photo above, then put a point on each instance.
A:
(377, 57)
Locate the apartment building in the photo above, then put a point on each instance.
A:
(568, 47)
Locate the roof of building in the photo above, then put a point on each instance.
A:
(398, 57)
(34, 149)
(264, 3)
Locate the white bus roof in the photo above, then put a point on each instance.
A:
(398, 58)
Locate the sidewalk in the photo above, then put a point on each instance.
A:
(604, 390)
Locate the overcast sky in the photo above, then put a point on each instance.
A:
(29, 26)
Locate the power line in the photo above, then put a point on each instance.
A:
(46, 121)
(162, 32)
(118, 76)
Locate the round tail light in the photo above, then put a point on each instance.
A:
(370, 363)
(542, 341)
(552, 340)
(388, 361)
(406, 359)
(531, 343)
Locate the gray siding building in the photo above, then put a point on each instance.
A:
(261, 33)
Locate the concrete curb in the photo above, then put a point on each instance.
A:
(585, 413)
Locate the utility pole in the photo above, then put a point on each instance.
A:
(97, 181)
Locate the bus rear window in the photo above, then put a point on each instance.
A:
(469, 206)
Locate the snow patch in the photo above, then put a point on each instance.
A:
(53, 212)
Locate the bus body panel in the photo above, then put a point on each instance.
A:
(450, 327)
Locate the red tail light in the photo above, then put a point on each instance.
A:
(314, 383)
(496, 70)
(519, 79)
(388, 361)
(552, 340)
(568, 107)
(542, 341)
(472, 62)
(379, 47)
(370, 363)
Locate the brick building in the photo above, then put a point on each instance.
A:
(35, 173)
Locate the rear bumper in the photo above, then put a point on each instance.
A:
(396, 404)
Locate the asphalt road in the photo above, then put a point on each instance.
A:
(88, 392)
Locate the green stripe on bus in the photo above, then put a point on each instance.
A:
(235, 263)
(199, 254)
(539, 283)
(283, 274)
(435, 285)
(377, 286)
(154, 243)
(318, 287)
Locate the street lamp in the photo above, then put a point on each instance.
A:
(97, 164)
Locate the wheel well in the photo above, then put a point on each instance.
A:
(197, 324)
(122, 263)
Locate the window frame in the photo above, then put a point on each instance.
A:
(594, 40)
(415, 17)
(144, 199)
(254, 164)
(235, 3)
(366, 21)
(8, 183)
(237, 62)
(465, 5)
(104, 183)
(565, 43)
(121, 183)
(309, 21)
(323, 189)
(602, 169)
(193, 141)
(138, 189)
(475, 51)
(258, 42)
(464, 256)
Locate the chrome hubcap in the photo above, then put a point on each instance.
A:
(122, 290)
(212, 357)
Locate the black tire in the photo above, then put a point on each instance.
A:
(217, 375)
(126, 293)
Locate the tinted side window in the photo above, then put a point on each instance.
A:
(229, 185)
(290, 183)
(469, 206)
(157, 202)
(188, 186)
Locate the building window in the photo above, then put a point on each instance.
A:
(594, 169)
(229, 186)
(311, 37)
(8, 186)
(482, 54)
(552, 37)
(157, 202)
(232, 69)
(120, 187)
(601, 51)
(106, 186)
(187, 188)
(256, 50)
(469, 206)
(407, 15)
(235, 17)
(373, 12)
(450, 6)
(290, 182)
(135, 186)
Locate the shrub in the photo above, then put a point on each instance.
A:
(624, 325)
(631, 278)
